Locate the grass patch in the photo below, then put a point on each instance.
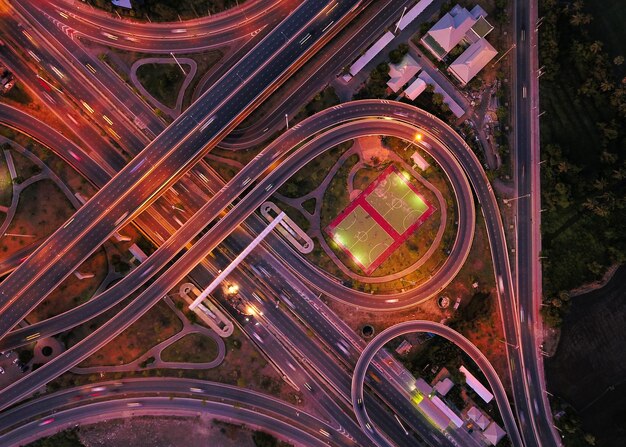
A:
(42, 208)
(6, 185)
(155, 326)
(309, 205)
(295, 214)
(73, 291)
(162, 81)
(313, 173)
(18, 95)
(192, 348)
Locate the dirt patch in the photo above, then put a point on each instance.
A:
(42, 208)
(589, 367)
(165, 432)
(73, 291)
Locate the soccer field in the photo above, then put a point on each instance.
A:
(381, 218)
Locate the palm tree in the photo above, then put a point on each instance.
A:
(606, 85)
(596, 46)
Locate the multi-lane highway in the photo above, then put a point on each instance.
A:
(331, 136)
(201, 127)
(350, 111)
(531, 399)
(217, 31)
(167, 157)
(190, 398)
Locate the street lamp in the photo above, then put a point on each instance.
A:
(179, 66)
(507, 201)
(401, 17)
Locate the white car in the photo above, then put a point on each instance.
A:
(1, 370)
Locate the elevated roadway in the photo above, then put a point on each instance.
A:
(368, 126)
(444, 331)
(383, 109)
(356, 123)
(218, 30)
(167, 157)
(193, 398)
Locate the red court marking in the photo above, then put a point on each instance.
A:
(398, 238)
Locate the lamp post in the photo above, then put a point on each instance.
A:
(505, 53)
(401, 17)
(179, 66)
(507, 201)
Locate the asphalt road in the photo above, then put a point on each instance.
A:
(162, 162)
(333, 136)
(531, 401)
(428, 326)
(192, 398)
(218, 30)
(142, 305)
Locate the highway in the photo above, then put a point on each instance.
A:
(140, 183)
(331, 137)
(373, 107)
(192, 398)
(531, 399)
(476, 176)
(439, 329)
(217, 232)
(219, 30)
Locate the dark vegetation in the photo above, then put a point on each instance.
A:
(163, 81)
(67, 438)
(396, 55)
(583, 148)
(589, 374)
(376, 85)
(323, 100)
(168, 10)
(262, 439)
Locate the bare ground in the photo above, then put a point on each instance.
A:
(165, 432)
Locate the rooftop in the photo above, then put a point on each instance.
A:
(468, 64)
(401, 73)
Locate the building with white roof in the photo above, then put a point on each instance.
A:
(448, 31)
(478, 417)
(468, 64)
(419, 161)
(474, 384)
(412, 13)
(415, 89)
(493, 433)
(444, 386)
(371, 53)
(451, 415)
(402, 73)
